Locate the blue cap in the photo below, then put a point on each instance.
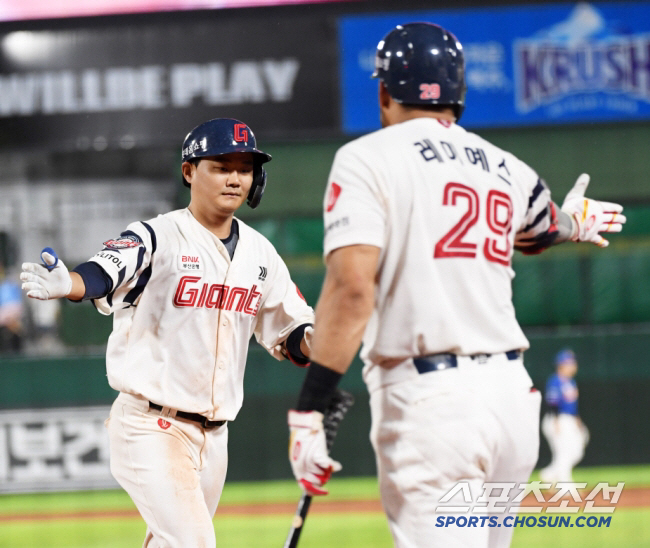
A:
(564, 356)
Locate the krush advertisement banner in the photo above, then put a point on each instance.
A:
(534, 65)
(136, 86)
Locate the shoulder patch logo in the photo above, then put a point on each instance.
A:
(124, 242)
(333, 196)
(300, 294)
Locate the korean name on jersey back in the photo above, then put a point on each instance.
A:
(190, 292)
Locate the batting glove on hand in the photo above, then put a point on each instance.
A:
(591, 216)
(310, 462)
(49, 281)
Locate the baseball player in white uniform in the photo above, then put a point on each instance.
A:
(421, 220)
(187, 290)
(562, 426)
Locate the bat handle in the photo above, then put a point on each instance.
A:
(53, 253)
(298, 521)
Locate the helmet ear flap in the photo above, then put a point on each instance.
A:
(257, 188)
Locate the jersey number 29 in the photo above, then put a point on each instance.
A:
(499, 221)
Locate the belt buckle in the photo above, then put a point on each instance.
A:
(210, 425)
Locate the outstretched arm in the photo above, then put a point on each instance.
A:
(51, 280)
(583, 220)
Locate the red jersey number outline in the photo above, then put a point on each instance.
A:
(499, 220)
(452, 244)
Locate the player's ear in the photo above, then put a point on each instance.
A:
(384, 96)
(187, 169)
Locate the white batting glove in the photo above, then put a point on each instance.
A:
(310, 462)
(41, 283)
(591, 216)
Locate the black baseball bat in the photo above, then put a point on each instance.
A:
(338, 407)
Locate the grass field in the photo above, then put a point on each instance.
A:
(107, 519)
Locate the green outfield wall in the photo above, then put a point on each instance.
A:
(614, 380)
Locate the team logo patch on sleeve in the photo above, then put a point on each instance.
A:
(332, 196)
(300, 294)
(124, 242)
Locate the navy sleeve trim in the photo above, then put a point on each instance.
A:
(98, 284)
(539, 188)
(540, 217)
(120, 278)
(142, 282)
(154, 242)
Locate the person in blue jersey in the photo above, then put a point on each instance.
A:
(565, 432)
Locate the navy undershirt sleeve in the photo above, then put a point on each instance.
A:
(98, 283)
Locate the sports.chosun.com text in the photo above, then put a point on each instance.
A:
(523, 521)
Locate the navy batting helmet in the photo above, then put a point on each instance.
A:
(422, 64)
(223, 136)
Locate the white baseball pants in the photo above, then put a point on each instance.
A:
(173, 469)
(476, 423)
(567, 438)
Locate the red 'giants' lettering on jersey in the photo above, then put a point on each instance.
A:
(240, 299)
(332, 196)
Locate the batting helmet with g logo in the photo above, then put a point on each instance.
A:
(422, 64)
(223, 136)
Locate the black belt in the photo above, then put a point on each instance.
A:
(194, 417)
(438, 362)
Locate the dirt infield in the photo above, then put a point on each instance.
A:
(635, 497)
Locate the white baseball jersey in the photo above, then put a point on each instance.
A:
(184, 312)
(447, 209)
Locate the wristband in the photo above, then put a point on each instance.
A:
(318, 388)
(293, 345)
(98, 284)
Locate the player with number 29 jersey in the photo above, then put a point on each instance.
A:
(469, 204)
(421, 222)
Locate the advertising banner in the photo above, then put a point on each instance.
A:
(526, 65)
(54, 450)
(43, 9)
(135, 86)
